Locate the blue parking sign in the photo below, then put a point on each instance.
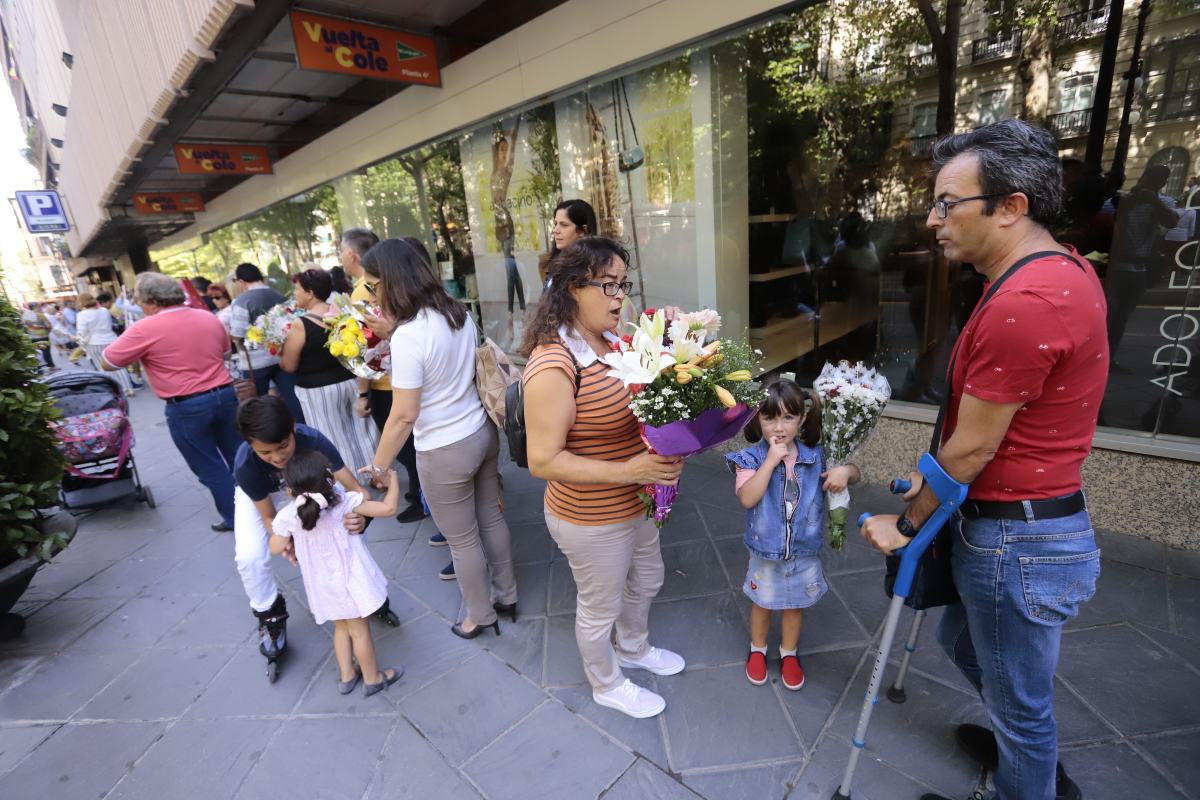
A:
(43, 211)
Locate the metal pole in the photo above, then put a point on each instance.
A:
(896, 693)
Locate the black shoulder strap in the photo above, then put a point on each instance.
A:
(578, 369)
(936, 442)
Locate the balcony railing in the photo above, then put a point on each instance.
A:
(998, 45)
(922, 65)
(1081, 25)
(1070, 123)
(922, 146)
(1174, 105)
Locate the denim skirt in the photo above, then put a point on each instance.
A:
(783, 585)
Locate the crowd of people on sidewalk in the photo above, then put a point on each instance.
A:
(291, 470)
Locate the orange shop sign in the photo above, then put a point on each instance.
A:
(333, 44)
(167, 202)
(206, 159)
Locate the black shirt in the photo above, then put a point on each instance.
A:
(258, 479)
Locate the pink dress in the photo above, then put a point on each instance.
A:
(341, 579)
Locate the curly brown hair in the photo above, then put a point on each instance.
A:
(582, 261)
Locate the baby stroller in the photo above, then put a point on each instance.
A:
(96, 438)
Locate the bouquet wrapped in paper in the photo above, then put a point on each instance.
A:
(690, 390)
(271, 328)
(852, 400)
(354, 344)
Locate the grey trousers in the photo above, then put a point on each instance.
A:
(618, 571)
(461, 482)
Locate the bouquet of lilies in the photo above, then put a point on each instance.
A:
(691, 391)
(852, 400)
(271, 329)
(355, 345)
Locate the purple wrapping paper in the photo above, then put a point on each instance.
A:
(688, 438)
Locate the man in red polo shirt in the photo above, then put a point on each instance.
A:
(1028, 375)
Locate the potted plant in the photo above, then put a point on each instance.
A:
(31, 531)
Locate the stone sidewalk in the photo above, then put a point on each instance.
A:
(138, 676)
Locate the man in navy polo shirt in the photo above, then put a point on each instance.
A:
(272, 437)
(1029, 371)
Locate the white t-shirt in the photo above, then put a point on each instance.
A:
(93, 326)
(428, 355)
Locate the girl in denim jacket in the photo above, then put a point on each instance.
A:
(781, 482)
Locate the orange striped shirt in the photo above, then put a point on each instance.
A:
(604, 429)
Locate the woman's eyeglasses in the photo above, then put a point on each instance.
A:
(372, 288)
(610, 288)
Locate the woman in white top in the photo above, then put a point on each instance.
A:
(94, 332)
(436, 402)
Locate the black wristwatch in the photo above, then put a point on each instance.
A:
(905, 527)
(363, 395)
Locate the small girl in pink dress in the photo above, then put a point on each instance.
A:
(343, 583)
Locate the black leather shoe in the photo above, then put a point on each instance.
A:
(220, 527)
(980, 744)
(414, 513)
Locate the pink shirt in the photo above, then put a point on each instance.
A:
(183, 350)
(743, 476)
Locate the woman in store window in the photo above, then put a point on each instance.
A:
(573, 220)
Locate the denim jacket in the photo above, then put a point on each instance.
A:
(767, 535)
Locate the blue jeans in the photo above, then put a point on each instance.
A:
(285, 382)
(1019, 582)
(203, 429)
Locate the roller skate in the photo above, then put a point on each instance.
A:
(272, 631)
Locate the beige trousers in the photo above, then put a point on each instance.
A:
(461, 482)
(618, 570)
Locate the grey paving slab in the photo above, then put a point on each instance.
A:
(1185, 603)
(1183, 562)
(929, 658)
(1176, 753)
(722, 517)
(323, 697)
(1126, 593)
(80, 762)
(60, 686)
(422, 560)
(1119, 687)
(706, 631)
(644, 781)
(60, 623)
(18, 742)
(209, 758)
(553, 750)
(563, 664)
(1077, 722)
(825, 677)
(16, 668)
(1183, 647)
(125, 578)
(190, 544)
(641, 736)
(533, 589)
(828, 625)
(928, 720)
(756, 725)
(874, 778)
(438, 595)
(531, 542)
(140, 622)
(200, 575)
(734, 558)
(426, 648)
(684, 525)
(522, 646)
(315, 758)
(855, 555)
(469, 706)
(389, 554)
(219, 620)
(764, 782)
(562, 588)
(1115, 770)
(56, 579)
(1132, 550)
(163, 683)
(691, 569)
(411, 769)
(241, 688)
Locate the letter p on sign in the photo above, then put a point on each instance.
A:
(43, 211)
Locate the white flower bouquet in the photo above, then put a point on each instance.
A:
(852, 399)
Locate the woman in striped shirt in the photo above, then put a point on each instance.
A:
(587, 447)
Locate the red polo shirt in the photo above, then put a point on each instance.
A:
(1040, 340)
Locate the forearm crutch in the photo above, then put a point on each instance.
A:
(950, 494)
(896, 692)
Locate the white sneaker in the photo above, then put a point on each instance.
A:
(631, 699)
(656, 660)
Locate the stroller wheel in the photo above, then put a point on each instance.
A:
(147, 496)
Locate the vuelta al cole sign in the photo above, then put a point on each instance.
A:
(332, 44)
(167, 202)
(204, 159)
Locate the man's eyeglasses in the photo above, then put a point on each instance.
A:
(610, 288)
(942, 207)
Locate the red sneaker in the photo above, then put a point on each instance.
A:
(756, 668)
(793, 673)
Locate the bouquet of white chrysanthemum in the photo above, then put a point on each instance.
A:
(852, 400)
(270, 330)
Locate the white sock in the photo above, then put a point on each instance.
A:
(783, 653)
(754, 649)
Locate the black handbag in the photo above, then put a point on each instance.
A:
(933, 583)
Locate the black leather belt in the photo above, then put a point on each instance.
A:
(1042, 509)
(183, 397)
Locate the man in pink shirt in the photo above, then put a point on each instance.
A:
(183, 352)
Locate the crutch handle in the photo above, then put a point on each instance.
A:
(900, 485)
(863, 517)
